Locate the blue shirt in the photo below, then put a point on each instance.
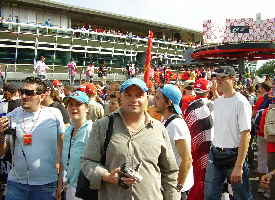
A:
(78, 143)
(37, 167)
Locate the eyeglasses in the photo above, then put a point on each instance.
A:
(29, 92)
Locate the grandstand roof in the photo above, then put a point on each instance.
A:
(69, 7)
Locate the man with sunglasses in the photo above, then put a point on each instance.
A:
(232, 125)
(36, 145)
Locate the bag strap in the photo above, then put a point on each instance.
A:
(70, 146)
(171, 119)
(107, 138)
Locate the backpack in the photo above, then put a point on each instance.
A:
(269, 127)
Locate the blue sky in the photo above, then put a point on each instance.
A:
(185, 13)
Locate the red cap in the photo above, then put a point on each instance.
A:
(91, 89)
(56, 83)
(202, 85)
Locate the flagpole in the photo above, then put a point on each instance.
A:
(147, 65)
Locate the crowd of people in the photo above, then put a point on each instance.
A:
(182, 140)
(84, 28)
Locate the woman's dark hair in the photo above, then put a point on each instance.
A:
(170, 107)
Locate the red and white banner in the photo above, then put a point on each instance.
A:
(236, 30)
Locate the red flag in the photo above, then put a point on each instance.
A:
(147, 65)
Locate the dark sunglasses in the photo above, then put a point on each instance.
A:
(29, 92)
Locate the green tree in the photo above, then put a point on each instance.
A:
(267, 68)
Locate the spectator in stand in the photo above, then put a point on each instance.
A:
(41, 68)
(72, 70)
(90, 71)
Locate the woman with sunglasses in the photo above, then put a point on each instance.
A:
(75, 139)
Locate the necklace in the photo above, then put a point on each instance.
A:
(34, 122)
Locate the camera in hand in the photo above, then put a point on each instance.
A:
(128, 172)
(10, 131)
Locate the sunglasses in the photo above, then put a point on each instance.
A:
(29, 92)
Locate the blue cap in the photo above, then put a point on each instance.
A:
(78, 96)
(174, 94)
(133, 81)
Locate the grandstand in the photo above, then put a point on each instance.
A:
(60, 32)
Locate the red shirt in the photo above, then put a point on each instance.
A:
(262, 122)
(257, 104)
(186, 100)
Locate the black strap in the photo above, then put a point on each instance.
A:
(171, 119)
(69, 154)
(107, 138)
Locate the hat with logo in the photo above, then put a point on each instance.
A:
(174, 94)
(133, 81)
(78, 96)
(225, 71)
(202, 85)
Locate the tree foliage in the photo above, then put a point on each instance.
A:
(267, 68)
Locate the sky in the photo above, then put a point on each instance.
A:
(185, 13)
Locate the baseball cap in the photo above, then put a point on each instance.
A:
(56, 83)
(202, 85)
(91, 89)
(174, 94)
(225, 71)
(133, 81)
(78, 96)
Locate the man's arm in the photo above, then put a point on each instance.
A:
(4, 123)
(237, 172)
(90, 162)
(186, 160)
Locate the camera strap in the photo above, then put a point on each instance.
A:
(107, 138)
(70, 146)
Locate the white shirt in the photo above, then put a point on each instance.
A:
(231, 117)
(178, 130)
(41, 68)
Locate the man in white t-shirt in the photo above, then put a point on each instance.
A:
(232, 125)
(167, 101)
(41, 68)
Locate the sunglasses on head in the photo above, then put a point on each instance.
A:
(29, 92)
